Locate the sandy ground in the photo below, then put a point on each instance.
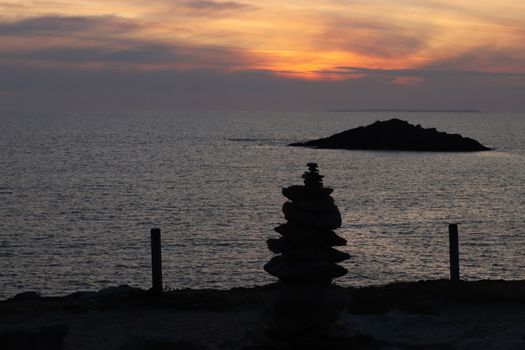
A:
(127, 319)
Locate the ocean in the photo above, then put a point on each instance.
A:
(79, 194)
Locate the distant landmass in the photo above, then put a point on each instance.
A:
(407, 110)
(396, 135)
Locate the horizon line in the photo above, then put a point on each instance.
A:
(405, 110)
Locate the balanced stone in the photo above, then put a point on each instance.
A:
(321, 220)
(303, 270)
(304, 236)
(315, 253)
(313, 180)
(324, 205)
(302, 192)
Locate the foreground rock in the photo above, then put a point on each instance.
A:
(396, 135)
(416, 316)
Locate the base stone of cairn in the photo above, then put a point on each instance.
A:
(307, 263)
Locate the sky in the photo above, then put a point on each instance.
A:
(262, 55)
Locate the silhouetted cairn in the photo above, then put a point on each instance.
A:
(307, 263)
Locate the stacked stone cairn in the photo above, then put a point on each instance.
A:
(307, 263)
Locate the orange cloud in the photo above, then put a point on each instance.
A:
(299, 39)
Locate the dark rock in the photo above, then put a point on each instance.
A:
(319, 220)
(306, 193)
(289, 269)
(159, 343)
(301, 322)
(26, 296)
(322, 205)
(396, 135)
(302, 237)
(122, 291)
(303, 308)
(317, 340)
(41, 338)
(326, 254)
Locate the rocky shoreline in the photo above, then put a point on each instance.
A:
(416, 315)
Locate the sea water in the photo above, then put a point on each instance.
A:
(79, 194)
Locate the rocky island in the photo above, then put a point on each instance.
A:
(396, 135)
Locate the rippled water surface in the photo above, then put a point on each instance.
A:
(79, 194)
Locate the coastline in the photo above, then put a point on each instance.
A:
(410, 315)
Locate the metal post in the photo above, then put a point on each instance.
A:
(156, 261)
(454, 251)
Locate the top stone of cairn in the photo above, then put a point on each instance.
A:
(312, 177)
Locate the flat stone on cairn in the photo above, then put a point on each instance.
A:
(307, 263)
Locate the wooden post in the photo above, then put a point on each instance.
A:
(156, 261)
(454, 252)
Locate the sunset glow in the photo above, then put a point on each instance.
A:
(305, 40)
(299, 38)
